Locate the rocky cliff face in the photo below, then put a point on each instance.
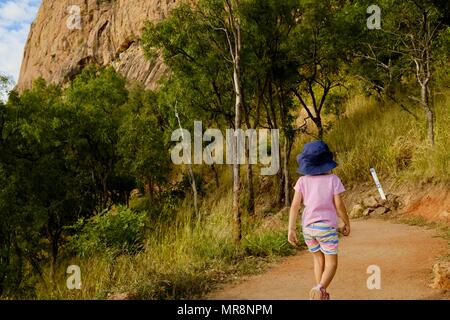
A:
(109, 35)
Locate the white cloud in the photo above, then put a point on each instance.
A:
(15, 19)
(17, 11)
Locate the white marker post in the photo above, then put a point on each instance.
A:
(377, 183)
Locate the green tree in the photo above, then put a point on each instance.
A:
(95, 99)
(325, 41)
(270, 65)
(58, 163)
(38, 196)
(408, 45)
(142, 143)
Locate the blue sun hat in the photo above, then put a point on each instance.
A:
(316, 158)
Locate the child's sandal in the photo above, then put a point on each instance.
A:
(316, 293)
(319, 293)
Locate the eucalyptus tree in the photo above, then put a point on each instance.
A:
(270, 72)
(202, 45)
(409, 45)
(326, 39)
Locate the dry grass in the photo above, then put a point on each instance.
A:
(183, 259)
(383, 136)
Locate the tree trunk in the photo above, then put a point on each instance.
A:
(149, 190)
(54, 231)
(250, 188)
(237, 82)
(216, 175)
(54, 257)
(318, 122)
(191, 172)
(286, 153)
(236, 169)
(194, 188)
(251, 195)
(425, 99)
(425, 84)
(280, 186)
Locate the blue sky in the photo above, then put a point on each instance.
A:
(15, 19)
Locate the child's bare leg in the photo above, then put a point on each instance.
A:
(319, 265)
(329, 270)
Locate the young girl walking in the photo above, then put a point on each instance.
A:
(320, 191)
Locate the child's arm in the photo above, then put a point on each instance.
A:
(342, 212)
(293, 213)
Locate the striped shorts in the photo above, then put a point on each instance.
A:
(321, 236)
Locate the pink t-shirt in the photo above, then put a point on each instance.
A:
(317, 193)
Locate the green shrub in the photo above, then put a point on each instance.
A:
(267, 244)
(110, 233)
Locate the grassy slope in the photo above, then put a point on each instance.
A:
(383, 136)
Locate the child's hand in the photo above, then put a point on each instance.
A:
(346, 230)
(292, 237)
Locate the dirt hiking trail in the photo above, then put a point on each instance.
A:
(405, 255)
